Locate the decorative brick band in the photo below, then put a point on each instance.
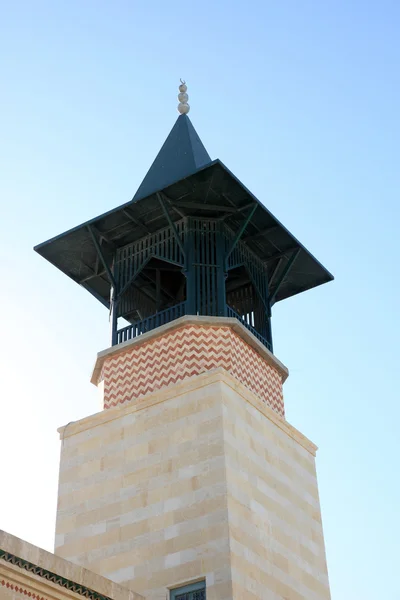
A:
(47, 575)
(21, 590)
(185, 352)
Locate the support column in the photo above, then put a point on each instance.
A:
(114, 301)
(189, 269)
(221, 272)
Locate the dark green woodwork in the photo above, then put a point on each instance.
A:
(193, 241)
(194, 266)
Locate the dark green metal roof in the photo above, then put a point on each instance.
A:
(181, 155)
(200, 188)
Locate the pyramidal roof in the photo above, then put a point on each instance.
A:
(181, 155)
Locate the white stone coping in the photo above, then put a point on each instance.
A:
(61, 567)
(182, 387)
(231, 322)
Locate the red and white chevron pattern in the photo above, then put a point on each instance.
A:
(190, 350)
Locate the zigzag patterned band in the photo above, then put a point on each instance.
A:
(185, 352)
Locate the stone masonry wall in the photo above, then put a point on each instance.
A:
(275, 532)
(198, 480)
(143, 496)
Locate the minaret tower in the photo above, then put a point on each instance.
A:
(190, 483)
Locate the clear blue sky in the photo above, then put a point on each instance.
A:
(300, 99)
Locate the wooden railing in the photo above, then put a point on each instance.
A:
(232, 313)
(160, 318)
(174, 312)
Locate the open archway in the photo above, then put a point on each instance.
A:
(159, 286)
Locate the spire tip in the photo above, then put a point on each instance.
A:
(183, 106)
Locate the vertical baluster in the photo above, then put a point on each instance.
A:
(207, 290)
(214, 272)
(125, 267)
(164, 243)
(183, 234)
(174, 244)
(196, 268)
(171, 242)
(202, 260)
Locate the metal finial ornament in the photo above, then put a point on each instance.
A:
(183, 106)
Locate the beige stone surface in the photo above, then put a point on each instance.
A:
(275, 529)
(200, 479)
(17, 582)
(142, 492)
